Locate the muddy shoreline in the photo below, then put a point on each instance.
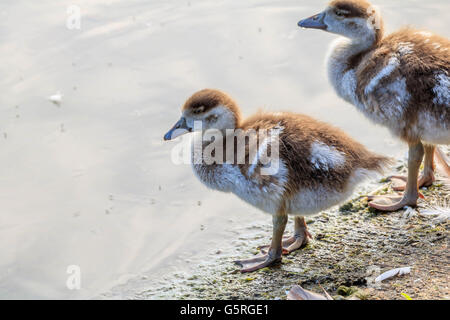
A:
(351, 246)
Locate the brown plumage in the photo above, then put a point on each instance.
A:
(352, 8)
(400, 81)
(299, 132)
(420, 66)
(206, 99)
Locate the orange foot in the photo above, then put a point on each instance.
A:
(290, 244)
(392, 203)
(399, 182)
(253, 264)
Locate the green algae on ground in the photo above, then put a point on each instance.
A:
(346, 291)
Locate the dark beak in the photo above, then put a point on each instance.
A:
(178, 129)
(314, 22)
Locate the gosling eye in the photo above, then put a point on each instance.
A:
(340, 13)
(212, 118)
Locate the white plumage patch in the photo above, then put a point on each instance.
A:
(387, 103)
(424, 33)
(348, 88)
(385, 72)
(324, 157)
(312, 201)
(442, 90)
(399, 91)
(432, 129)
(229, 178)
(405, 48)
(436, 45)
(344, 81)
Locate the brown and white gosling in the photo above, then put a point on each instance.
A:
(400, 81)
(318, 165)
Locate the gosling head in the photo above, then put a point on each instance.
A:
(354, 19)
(206, 109)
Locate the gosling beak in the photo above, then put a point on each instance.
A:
(178, 129)
(314, 22)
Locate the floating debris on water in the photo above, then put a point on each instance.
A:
(56, 98)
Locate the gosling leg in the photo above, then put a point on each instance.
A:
(426, 179)
(409, 198)
(274, 254)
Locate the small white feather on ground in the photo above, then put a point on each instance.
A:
(440, 214)
(409, 213)
(392, 273)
